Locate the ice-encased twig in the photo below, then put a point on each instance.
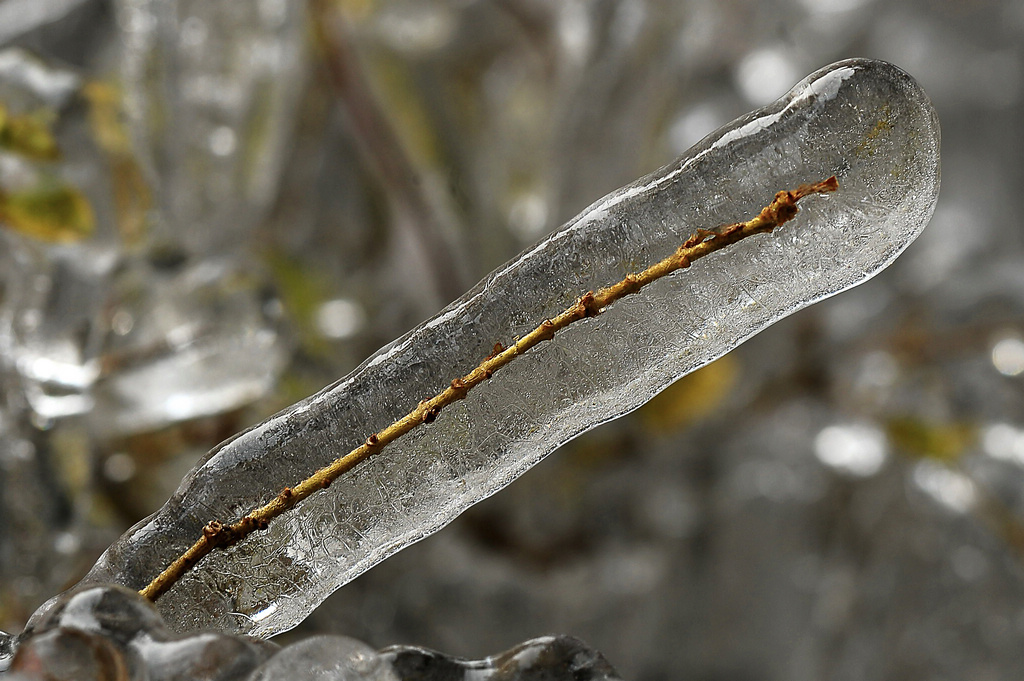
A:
(865, 121)
(217, 535)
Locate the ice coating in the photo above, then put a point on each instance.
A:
(107, 632)
(866, 122)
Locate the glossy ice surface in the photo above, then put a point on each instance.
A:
(867, 122)
(109, 633)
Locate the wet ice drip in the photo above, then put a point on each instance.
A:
(109, 632)
(866, 122)
(209, 91)
(6, 650)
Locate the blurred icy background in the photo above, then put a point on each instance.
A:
(251, 197)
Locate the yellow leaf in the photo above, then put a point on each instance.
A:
(945, 442)
(132, 199)
(28, 135)
(52, 212)
(692, 397)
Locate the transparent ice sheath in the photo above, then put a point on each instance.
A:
(867, 122)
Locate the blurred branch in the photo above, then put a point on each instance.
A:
(381, 150)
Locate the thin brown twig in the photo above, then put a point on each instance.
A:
(217, 535)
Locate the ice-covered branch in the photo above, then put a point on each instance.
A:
(216, 535)
(866, 122)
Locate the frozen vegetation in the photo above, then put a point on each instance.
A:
(158, 157)
(866, 122)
